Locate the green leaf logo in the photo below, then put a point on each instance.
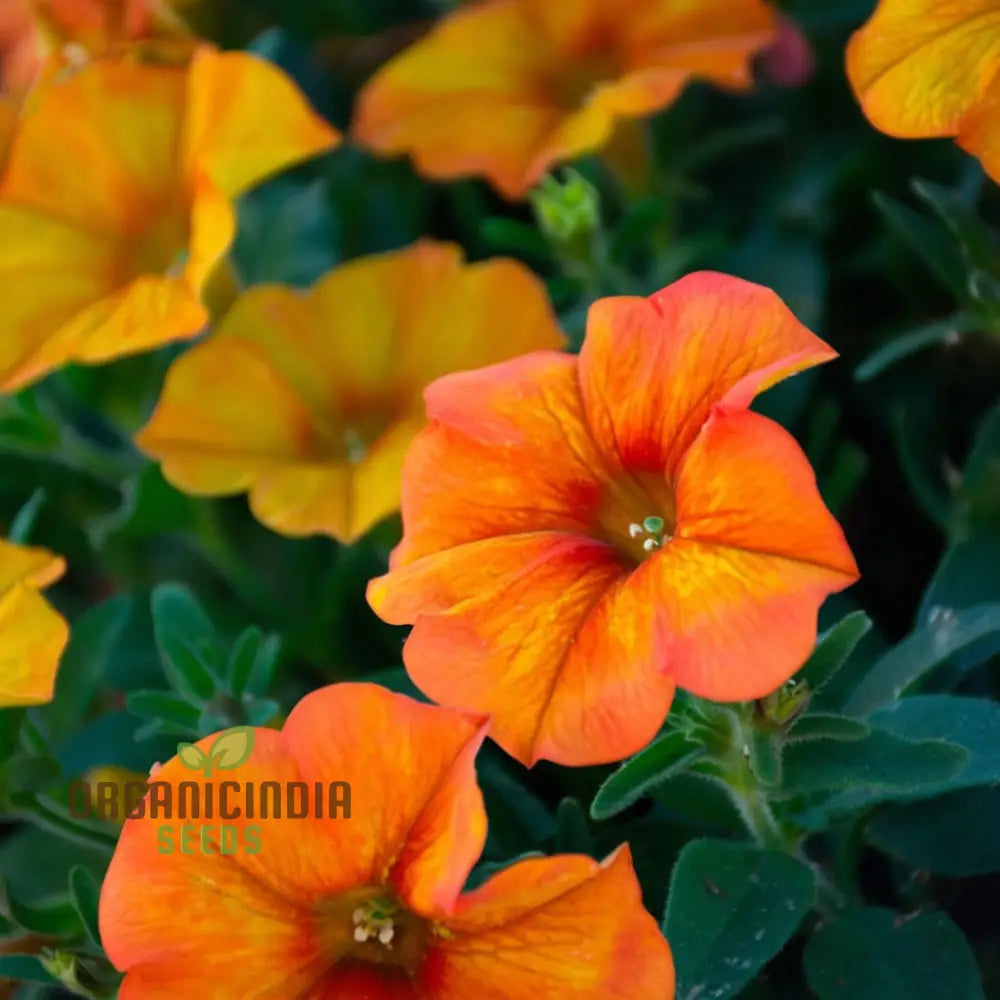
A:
(191, 756)
(231, 748)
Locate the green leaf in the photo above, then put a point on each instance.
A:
(55, 918)
(262, 673)
(572, 831)
(732, 907)
(978, 497)
(232, 748)
(242, 659)
(93, 640)
(188, 674)
(967, 575)
(162, 705)
(946, 331)
(765, 757)
(880, 761)
(833, 648)
(978, 242)
(970, 723)
(826, 726)
(953, 834)
(512, 236)
(924, 239)
(24, 520)
(260, 711)
(667, 756)
(176, 610)
(25, 969)
(29, 773)
(876, 954)
(85, 894)
(920, 653)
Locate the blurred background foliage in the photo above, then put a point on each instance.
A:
(885, 248)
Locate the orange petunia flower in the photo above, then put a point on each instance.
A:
(366, 902)
(117, 201)
(583, 534)
(309, 400)
(508, 88)
(925, 69)
(32, 635)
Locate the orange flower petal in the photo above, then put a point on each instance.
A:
(315, 424)
(652, 369)
(754, 545)
(32, 634)
(227, 137)
(511, 943)
(468, 475)
(417, 813)
(531, 629)
(979, 132)
(114, 258)
(508, 88)
(249, 919)
(919, 66)
(465, 99)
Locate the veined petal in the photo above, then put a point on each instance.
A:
(979, 131)
(754, 545)
(33, 638)
(745, 483)
(478, 470)
(417, 814)
(554, 927)
(518, 627)
(652, 369)
(919, 66)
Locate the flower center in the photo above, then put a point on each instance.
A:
(638, 516)
(575, 80)
(370, 926)
(162, 247)
(651, 532)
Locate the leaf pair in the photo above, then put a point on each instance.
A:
(228, 751)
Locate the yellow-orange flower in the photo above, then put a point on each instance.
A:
(368, 907)
(309, 400)
(581, 535)
(32, 635)
(116, 201)
(924, 69)
(508, 88)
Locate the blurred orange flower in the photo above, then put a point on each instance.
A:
(369, 906)
(923, 69)
(508, 88)
(309, 400)
(116, 202)
(32, 633)
(583, 534)
(66, 29)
